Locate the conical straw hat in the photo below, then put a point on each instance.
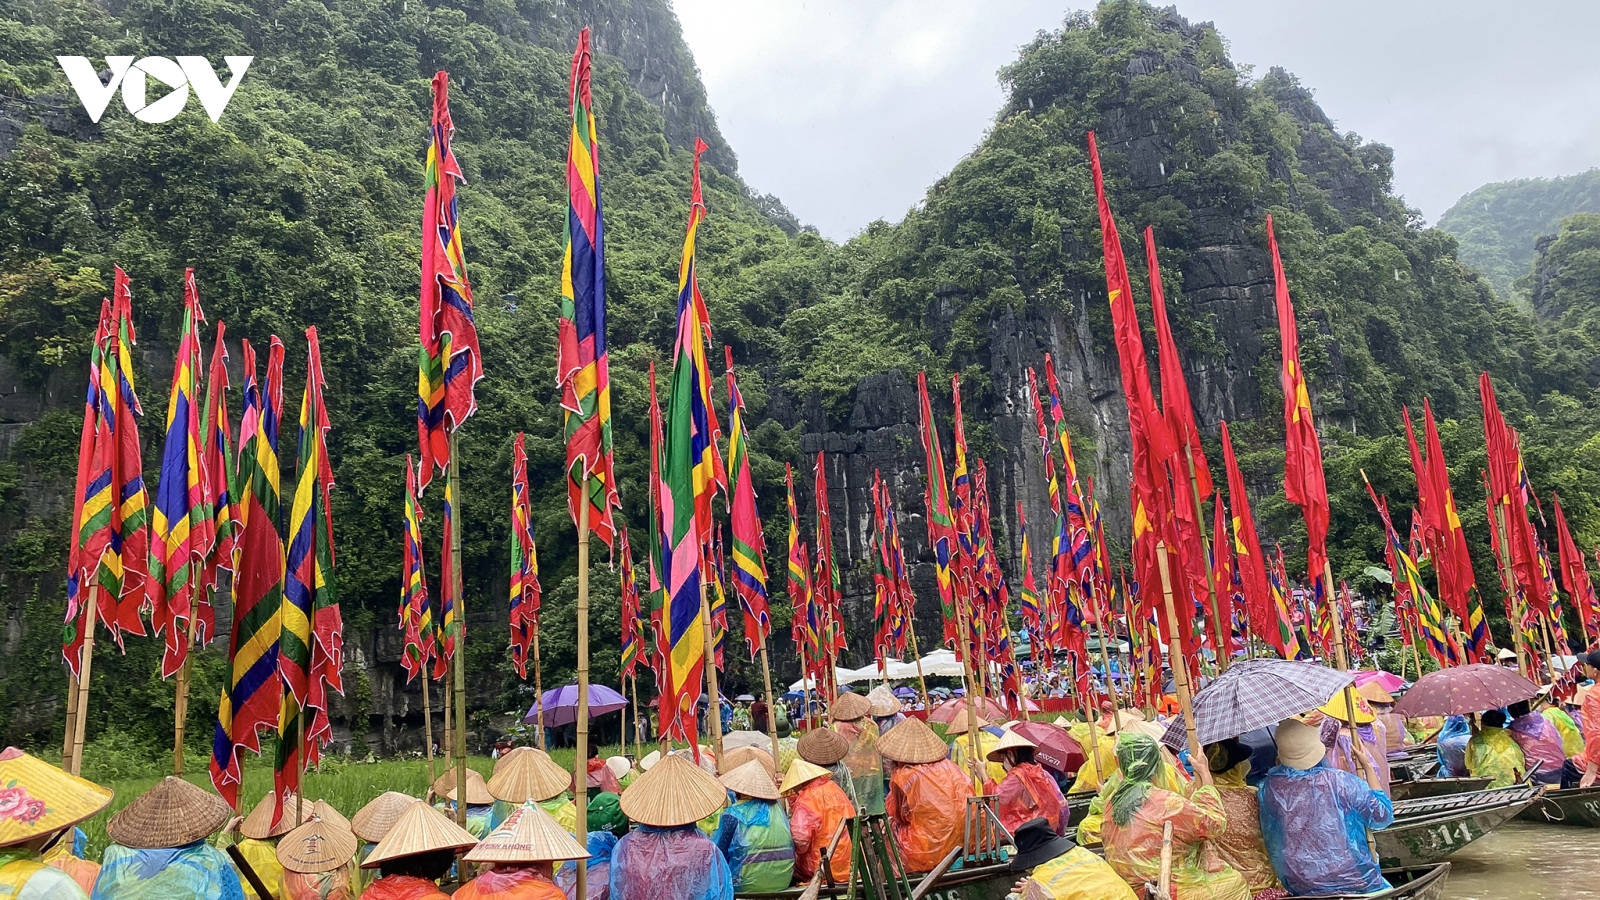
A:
(674, 792)
(822, 746)
(1010, 741)
(477, 792)
(317, 846)
(1123, 718)
(47, 799)
(1336, 709)
(324, 810)
(506, 757)
(1374, 693)
(883, 701)
(374, 820)
(258, 825)
(959, 724)
(422, 829)
(530, 775)
(800, 773)
(171, 814)
(850, 706)
(753, 779)
(912, 741)
(528, 835)
(738, 756)
(650, 760)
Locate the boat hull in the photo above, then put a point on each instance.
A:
(1435, 787)
(1577, 806)
(1419, 883)
(1429, 834)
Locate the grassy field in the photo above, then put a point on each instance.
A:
(347, 785)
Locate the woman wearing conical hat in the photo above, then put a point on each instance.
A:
(38, 802)
(521, 854)
(850, 719)
(667, 857)
(258, 843)
(816, 807)
(67, 854)
(828, 748)
(159, 848)
(415, 853)
(530, 774)
(319, 861)
(373, 821)
(1027, 791)
(481, 818)
(928, 794)
(754, 832)
(885, 708)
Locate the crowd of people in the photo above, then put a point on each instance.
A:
(1281, 812)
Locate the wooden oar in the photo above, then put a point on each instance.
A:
(1164, 886)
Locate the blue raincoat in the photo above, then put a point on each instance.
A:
(1453, 738)
(651, 863)
(198, 870)
(754, 837)
(598, 882)
(1315, 824)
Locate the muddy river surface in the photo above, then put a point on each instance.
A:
(1528, 862)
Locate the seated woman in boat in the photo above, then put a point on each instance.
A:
(1540, 743)
(1026, 792)
(928, 795)
(1493, 754)
(45, 804)
(754, 832)
(1055, 868)
(1240, 844)
(318, 860)
(816, 807)
(159, 847)
(1589, 720)
(257, 840)
(1561, 720)
(861, 759)
(521, 854)
(1170, 778)
(417, 851)
(1333, 721)
(1315, 818)
(1452, 746)
(667, 857)
(1396, 737)
(1138, 813)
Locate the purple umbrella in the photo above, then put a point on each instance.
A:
(561, 704)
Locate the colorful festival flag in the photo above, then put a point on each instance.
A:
(524, 609)
(416, 616)
(450, 363)
(250, 700)
(825, 587)
(181, 521)
(216, 453)
(749, 546)
(450, 625)
(941, 523)
(1409, 590)
(632, 627)
(92, 510)
(803, 632)
(582, 364)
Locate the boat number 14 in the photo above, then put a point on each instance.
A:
(1448, 835)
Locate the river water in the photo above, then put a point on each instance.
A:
(1521, 861)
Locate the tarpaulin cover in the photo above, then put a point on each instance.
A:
(1027, 793)
(650, 863)
(1315, 824)
(1492, 753)
(816, 810)
(754, 837)
(927, 807)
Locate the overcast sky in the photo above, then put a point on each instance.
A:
(848, 110)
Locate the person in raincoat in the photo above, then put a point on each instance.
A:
(1099, 763)
(373, 821)
(1171, 777)
(1493, 753)
(1057, 869)
(481, 815)
(1240, 844)
(38, 802)
(828, 748)
(1452, 746)
(851, 721)
(1396, 737)
(1026, 792)
(667, 857)
(418, 850)
(318, 861)
(961, 743)
(885, 708)
(1138, 811)
(1540, 743)
(1566, 727)
(598, 880)
(520, 854)
(1315, 818)
(159, 848)
(258, 843)
(67, 853)
(927, 802)
(527, 774)
(1334, 728)
(816, 808)
(1589, 719)
(754, 832)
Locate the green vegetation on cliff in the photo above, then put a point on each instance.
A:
(1497, 224)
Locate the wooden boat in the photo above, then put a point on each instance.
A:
(1435, 787)
(1428, 830)
(1416, 883)
(1576, 806)
(1078, 808)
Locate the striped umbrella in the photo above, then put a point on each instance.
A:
(1255, 693)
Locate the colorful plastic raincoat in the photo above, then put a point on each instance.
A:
(68, 857)
(754, 837)
(602, 779)
(1090, 777)
(1240, 845)
(1540, 743)
(1571, 735)
(511, 883)
(1336, 737)
(815, 811)
(864, 763)
(959, 744)
(1315, 824)
(1452, 751)
(1133, 829)
(263, 859)
(560, 807)
(482, 818)
(403, 887)
(1170, 778)
(885, 723)
(343, 883)
(196, 871)
(597, 884)
(651, 863)
(1077, 874)
(927, 808)
(1589, 718)
(25, 876)
(1493, 754)
(1029, 792)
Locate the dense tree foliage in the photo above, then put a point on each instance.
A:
(1497, 224)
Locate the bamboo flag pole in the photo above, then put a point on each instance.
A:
(180, 705)
(974, 758)
(82, 722)
(459, 663)
(427, 721)
(72, 719)
(772, 719)
(538, 689)
(911, 628)
(1509, 583)
(638, 723)
(713, 701)
(580, 760)
(1180, 669)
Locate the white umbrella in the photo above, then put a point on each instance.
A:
(941, 662)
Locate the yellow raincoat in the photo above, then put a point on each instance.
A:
(959, 743)
(263, 858)
(1089, 778)
(1493, 754)
(1077, 874)
(1571, 737)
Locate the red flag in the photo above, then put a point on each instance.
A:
(1451, 559)
(1175, 405)
(1222, 577)
(1575, 578)
(1302, 467)
(1268, 617)
(1509, 488)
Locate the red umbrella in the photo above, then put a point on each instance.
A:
(1463, 690)
(945, 713)
(1057, 749)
